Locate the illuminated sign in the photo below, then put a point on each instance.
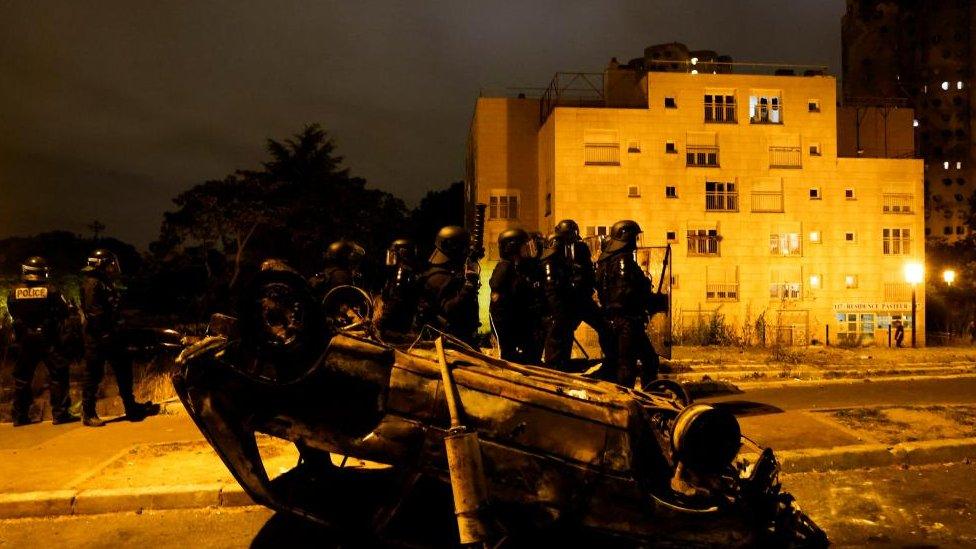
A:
(876, 306)
(38, 292)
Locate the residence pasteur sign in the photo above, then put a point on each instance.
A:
(874, 306)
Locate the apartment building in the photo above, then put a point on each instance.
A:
(739, 173)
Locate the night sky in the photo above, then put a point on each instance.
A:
(109, 109)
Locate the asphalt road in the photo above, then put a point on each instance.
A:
(919, 507)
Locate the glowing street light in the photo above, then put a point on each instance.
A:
(914, 274)
(949, 276)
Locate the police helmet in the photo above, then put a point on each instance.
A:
(105, 261)
(344, 253)
(567, 231)
(35, 269)
(451, 245)
(510, 243)
(623, 235)
(401, 250)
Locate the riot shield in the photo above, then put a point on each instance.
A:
(656, 263)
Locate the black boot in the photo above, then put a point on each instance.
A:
(21, 420)
(64, 417)
(90, 417)
(138, 411)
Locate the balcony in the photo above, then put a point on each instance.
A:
(701, 156)
(785, 157)
(897, 203)
(602, 154)
(700, 243)
(767, 201)
(786, 291)
(718, 112)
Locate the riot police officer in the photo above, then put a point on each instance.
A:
(39, 313)
(627, 299)
(342, 262)
(100, 303)
(569, 287)
(516, 298)
(449, 288)
(400, 292)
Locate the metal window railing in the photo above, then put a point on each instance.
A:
(785, 157)
(723, 291)
(722, 201)
(720, 112)
(602, 154)
(897, 203)
(897, 292)
(701, 155)
(786, 290)
(767, 201)
(703, 244)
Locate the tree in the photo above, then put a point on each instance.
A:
(222, 214)
(437, 209)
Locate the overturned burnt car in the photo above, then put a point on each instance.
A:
(476, 449)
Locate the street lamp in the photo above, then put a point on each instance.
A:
(914, 273)
(949, 276)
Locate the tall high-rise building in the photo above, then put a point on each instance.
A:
(920, 53)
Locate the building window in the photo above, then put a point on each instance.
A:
(850, 281)
(897, 203)
(960, 230)
(721, 197)
(698, 155)
(814, 193)
(670, 192)
(503, 206)
(849, 194)
(897, 292)
(671, 236)
(767, 201)
(633, 147)
(816, 281)
(669, 103)
(853, 325)
(784, 244)
(670, 148)
(602, 154)
(719, 108)
(785, 157)
(896, 241)
(633, 191)
(548, 204)
(703, 242)
(721, 283)
(947, 230)
(765, 108)
(813, 105)
(814, 149)
(789, 291)
(815, 237)
(850, 236)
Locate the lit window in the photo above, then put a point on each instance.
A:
(669, 103)
(958, 165)
(959, 85)
(784, 244)
(815, 237)
(945, 164)
(670, 192)
(850, 281)
(764, 108)
(694, 71)
(945, 84)
(814, 193)
(915, 122)
(815, 281)
(503, 205)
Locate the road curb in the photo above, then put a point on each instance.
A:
(95, 501)
(863, 456)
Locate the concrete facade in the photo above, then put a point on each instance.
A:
(764, 219)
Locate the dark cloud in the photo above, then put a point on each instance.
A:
(109, 108)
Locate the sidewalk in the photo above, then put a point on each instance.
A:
(164, 462)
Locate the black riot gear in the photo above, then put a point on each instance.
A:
(342, 268)
(35, 269)
(451, 246)
(401, 290)
(448, 298)
(102, 307)
(623, 236)
(511, 242)
(104, 261)
(39, 313)
(627, 298)
(569, 284)
(517, 299)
